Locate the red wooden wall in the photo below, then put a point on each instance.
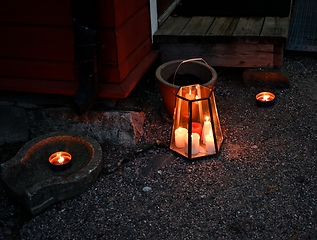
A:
(36, 46)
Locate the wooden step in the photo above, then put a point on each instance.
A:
(224, 41)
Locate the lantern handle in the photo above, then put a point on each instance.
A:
(191, 60)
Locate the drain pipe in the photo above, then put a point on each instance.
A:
(84, 13)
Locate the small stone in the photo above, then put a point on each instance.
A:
(147, 189)
(8, 232)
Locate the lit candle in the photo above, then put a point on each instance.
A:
(206, 129)
(180, 134)
(210, 145)
(189, 95)
(60, 160)
(265, 99)
(195, 143)
(196, 128)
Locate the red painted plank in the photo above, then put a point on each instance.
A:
(57, 12)
(117, 74)
(126, 38)
(37, 69)
(57, 86)
(38, 42)
(113, 13)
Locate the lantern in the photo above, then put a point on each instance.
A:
(196, 128)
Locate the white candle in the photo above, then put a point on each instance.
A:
(180, 135)
(195, 143)
(210, 145)
(206, 129)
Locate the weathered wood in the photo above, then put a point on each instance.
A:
(275, 30)
(221, 30)
(278, 53)
(171, 29)
(246, 55)
(195, 29)
(248, 42)
(248, 30)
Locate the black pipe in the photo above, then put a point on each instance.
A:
(84, 13)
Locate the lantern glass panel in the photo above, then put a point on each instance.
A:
(196, 128)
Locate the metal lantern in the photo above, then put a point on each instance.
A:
(196, 128)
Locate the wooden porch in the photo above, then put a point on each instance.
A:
(248, 42)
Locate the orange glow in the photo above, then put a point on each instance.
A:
(265, 96)
(60, 158)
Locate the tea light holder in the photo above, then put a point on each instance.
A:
(60, 161)
(196, 130)
(265, 99)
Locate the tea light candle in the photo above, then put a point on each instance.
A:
(60, 160)
(210, 144)
(206, 129)
(195, 143)
(180, 134)
(265, 99)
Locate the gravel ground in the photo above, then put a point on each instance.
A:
(262, 185)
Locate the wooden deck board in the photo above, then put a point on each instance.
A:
(221, 30)
(196, 29)
(171, 29)
(275, 30)
(225, 41)
(248, 30)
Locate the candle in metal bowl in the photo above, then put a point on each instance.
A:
(60, 161)
(265, 99)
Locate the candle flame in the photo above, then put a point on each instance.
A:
(60, 158)
(207, 118)
(266, 97)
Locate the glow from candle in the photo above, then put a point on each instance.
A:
(206, 129)
(195, 143)
(266, 98)
(180, 134)
(189, 95)
(59, 158)
(210, 144)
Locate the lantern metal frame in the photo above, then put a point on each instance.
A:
(195, 113)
